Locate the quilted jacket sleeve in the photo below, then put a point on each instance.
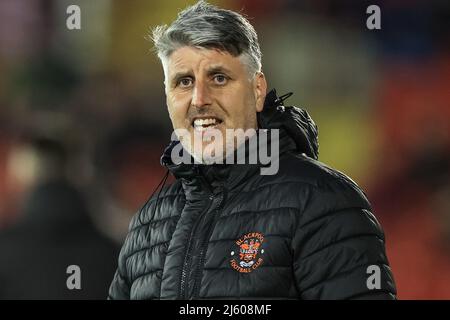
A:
(339, 247)
(119, 289)
(120, 285)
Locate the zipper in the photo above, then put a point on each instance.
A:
(188, 256)
(204, 247)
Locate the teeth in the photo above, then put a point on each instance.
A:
(204, 122)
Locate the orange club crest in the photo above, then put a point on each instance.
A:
(247, 255)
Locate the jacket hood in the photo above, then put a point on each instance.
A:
(296, 123)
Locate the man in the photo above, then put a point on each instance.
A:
(55, 231)
(225, 230)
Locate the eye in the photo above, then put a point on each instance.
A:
(185, 82)
(220, 79)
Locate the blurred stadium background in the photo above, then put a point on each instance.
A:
(87, 107)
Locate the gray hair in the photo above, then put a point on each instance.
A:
(206, 26)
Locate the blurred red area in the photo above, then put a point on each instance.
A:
(412, 192)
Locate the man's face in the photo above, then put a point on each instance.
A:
(209, 91)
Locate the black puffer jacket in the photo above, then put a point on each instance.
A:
(227, 232)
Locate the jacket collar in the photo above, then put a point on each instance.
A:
(294, 122)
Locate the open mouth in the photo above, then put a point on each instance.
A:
(202, 124)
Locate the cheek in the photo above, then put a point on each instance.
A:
(170, 109)
(242, 109)
(249, 105)
(177, 107)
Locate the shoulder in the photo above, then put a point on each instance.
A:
(302, 168)
(330, 198)
(160, 206)
(316, 186)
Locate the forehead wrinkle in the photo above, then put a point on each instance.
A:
(217, 68)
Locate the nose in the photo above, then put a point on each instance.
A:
(200, 95)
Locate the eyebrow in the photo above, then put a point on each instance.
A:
(217, 69)
(188, 73)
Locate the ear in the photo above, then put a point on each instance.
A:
(260, 90)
